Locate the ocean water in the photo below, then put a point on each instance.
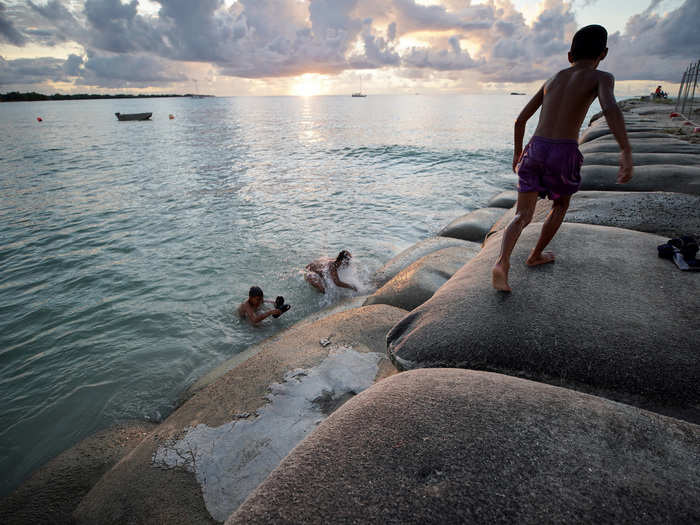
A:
(125, 247)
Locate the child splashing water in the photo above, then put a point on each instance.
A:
(324, 272)
(550, 165)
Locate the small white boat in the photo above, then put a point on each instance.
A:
(133, 116)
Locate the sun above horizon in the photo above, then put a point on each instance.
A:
(307, 85)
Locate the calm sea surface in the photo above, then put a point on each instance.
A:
(125, 247)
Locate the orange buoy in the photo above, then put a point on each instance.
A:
(39, 119)
(171, 116)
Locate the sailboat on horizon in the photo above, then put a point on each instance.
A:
(359, 94)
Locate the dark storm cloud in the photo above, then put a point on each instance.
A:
(516, 52)
(194, 31)
(72, 65)
(31, 70)
(115, 26)
(58, 23)
(677, 34)
(8, 31)
(127, 70)
(273, 38)
(378, 51)
(653, 47)
(282, 38)
(416, 17)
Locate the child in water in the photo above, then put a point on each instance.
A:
(249, 308)
(550, 165)
(315, 271)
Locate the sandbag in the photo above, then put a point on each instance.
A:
(633, 136)
(505, 199)
(679, 179)
(415, 252)
(473, 226)
(416, 284)
(459, 446)
(609, 314)
(667, 146)
(599, 131)
(643, 159)
(662, 213)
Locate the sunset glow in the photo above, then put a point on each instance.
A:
(307, 85)
(313, 47)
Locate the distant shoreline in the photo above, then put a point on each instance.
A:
(16, 96)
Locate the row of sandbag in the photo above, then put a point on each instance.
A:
(441, 444)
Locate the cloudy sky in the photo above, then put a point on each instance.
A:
(308, 47)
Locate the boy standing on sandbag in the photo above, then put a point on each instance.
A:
(550, 165)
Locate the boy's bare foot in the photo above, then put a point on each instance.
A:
(542, 258)
(499, 275)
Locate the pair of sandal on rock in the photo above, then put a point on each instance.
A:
(681, 251)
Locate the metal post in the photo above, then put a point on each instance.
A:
(692, 97)
(680, 90)
(690, 86)
(685, 86)
(691, 74)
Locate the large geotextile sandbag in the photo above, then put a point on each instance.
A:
(680, 179)
(642, 146)
(609, 313)
(662, 213)
(227, 437)
(643, 159)
(473, 226)
(415, 252)
(599, 131)
(633, 136)
(53, 491)
(505, 199)
(460, 446)
(416, 284)
(630, 121)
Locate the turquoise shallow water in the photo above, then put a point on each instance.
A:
(125, 247)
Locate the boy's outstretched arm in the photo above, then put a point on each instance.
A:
(254, 317)
(525, 114)
(615, 120)
(336, 279)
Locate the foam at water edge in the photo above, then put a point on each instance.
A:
(231, 460)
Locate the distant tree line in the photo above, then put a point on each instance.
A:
(16, 96)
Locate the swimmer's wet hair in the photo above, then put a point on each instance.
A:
(589, 42)
(343, 255)
(255, 291)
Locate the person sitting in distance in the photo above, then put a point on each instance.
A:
(659, 93)
(249, 308)
(316, 270)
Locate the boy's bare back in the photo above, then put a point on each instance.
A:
(566, 99)
(551, 163)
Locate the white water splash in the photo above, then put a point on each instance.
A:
(231, 460)
(353, 273)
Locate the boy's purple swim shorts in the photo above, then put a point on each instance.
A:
(551, 167)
